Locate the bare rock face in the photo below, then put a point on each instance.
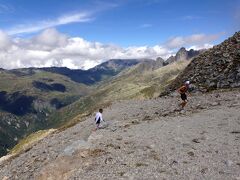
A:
(218, 67)
(159, 62)
(183, 54)
(170, 60)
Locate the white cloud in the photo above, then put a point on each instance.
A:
(51, 48)
(50, 38)
(5, 41)
(34, 27)
(198, 47)
(195, 39)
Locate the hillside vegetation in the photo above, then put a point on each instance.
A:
(28, 97)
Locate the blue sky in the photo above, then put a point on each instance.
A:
(125, 23)
(130, 22)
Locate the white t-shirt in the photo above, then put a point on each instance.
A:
(98, 115)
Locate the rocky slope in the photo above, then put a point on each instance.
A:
(144, 139)
(218, 67)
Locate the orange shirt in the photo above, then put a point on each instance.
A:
(183, 89)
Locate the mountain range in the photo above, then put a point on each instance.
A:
(201, 141)
(38, 98)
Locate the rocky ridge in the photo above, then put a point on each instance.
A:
(218, 67)
(182, 55)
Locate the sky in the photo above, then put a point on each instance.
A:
(80, 34)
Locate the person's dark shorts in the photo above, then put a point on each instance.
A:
(98, 121)
(184, 97)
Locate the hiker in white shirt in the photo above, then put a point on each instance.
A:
(98, 118)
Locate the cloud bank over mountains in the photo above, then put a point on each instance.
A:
(52, 48)
(197, 40)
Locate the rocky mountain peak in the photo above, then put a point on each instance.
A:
(218, 67)
(183, 54)
(159, 59)
(159, 62)
(182, 49)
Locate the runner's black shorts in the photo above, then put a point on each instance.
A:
(184, 97)
(98, 121)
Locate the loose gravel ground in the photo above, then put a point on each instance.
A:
(144, 139)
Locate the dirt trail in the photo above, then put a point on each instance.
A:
(145, 139)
